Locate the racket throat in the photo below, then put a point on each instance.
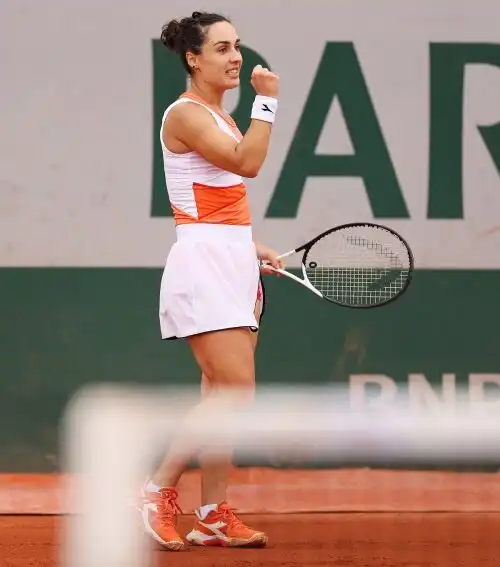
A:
(286, 254)
(307, 283)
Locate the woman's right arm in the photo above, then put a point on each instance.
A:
(192, 125)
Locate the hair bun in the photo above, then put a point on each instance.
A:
(196, 15)
(170, 35)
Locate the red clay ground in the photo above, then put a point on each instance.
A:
(300, 540)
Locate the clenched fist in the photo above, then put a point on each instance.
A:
(265, 82)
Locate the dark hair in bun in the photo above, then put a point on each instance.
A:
(189, 34)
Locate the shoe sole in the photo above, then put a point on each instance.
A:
(259, 540)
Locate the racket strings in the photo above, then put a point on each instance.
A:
(351, 286)
(369, 245)
(358, 270)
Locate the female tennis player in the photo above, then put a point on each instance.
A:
(211, 292)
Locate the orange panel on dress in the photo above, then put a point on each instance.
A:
(218, 205)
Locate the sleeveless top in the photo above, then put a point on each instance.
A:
(198, 191)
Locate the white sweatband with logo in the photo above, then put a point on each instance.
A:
(264, 108)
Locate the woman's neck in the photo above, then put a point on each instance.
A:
(208, 94)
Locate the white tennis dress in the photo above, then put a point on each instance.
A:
(211, 277)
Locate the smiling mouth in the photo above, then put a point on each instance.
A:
(233, 72)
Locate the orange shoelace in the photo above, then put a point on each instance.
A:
(229, 516)
(167, 505)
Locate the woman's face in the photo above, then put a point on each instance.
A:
(220, 61)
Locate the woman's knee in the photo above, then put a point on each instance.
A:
(237, 381)
(226, 360)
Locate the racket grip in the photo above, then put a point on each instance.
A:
(271, 267)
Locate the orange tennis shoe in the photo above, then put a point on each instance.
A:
(159, 515)
(222, 527)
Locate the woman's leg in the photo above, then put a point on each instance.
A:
(216, 523)
(215, 471)
(226, 358)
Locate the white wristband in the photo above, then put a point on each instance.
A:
(264, 108)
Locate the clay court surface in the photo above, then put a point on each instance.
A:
(344, 539)
(362, 518)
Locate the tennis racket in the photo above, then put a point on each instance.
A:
(357, 265)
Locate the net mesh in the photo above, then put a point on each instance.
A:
(359, 266)
(112, 434)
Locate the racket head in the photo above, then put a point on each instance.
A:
(358, 265)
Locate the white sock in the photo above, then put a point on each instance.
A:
(205, 510)
(152, 487)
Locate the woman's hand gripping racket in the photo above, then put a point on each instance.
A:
(358, 265)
